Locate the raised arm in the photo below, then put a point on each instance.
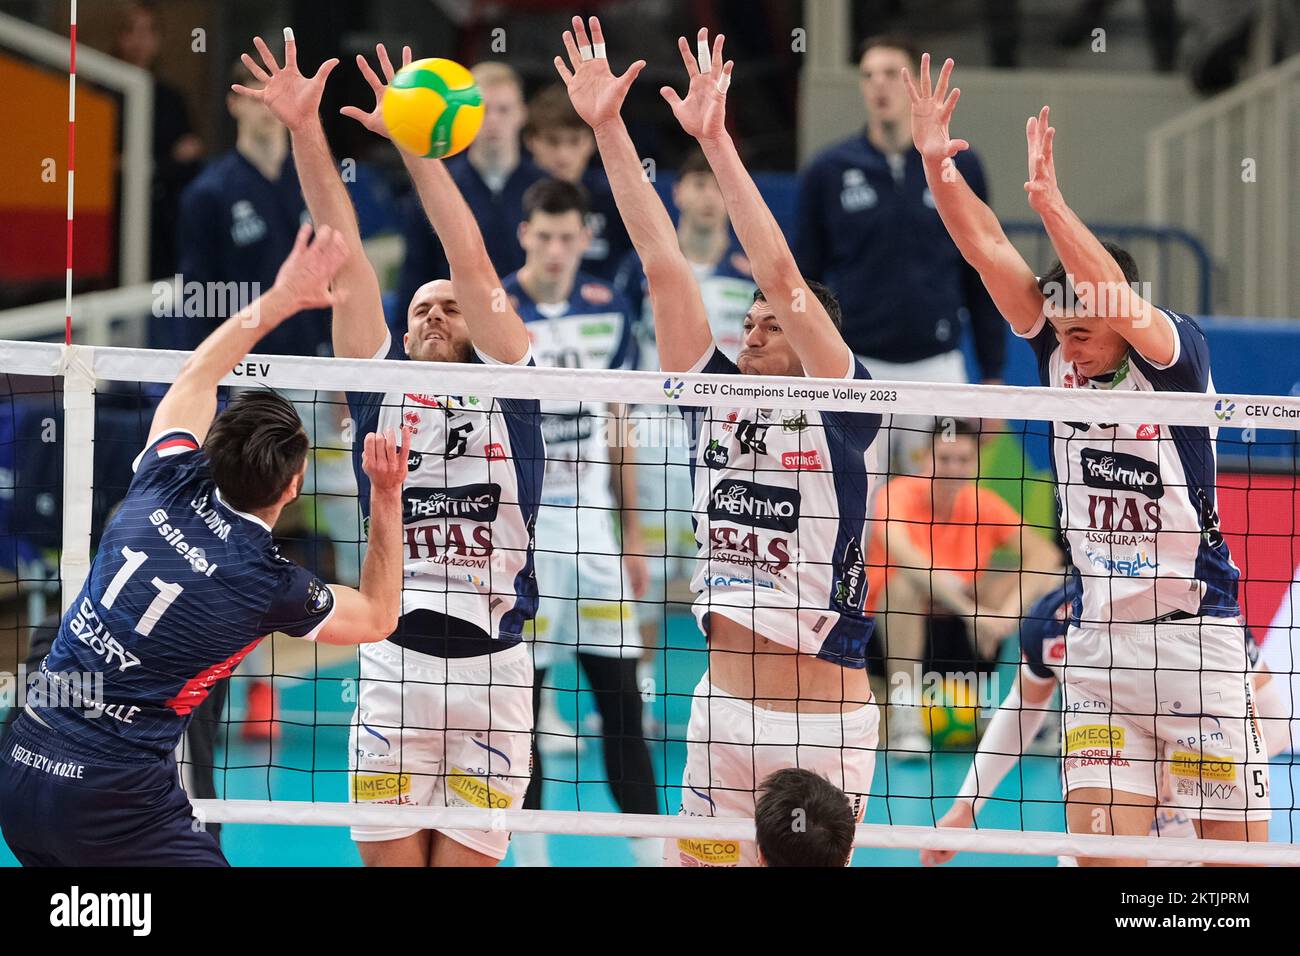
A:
(1099, 282)
(970, 222)
(358, 317)
(494, 326)
(682, 332)
(303, 282)
(370, 614)
(702, 114)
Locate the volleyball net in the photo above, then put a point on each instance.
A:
(958, 566)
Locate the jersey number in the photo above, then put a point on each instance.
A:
(166, 592)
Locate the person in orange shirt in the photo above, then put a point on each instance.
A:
(932, 553)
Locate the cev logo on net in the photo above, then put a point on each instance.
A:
(1224, 410)
(673, 388)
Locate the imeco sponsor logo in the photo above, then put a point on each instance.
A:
(1184, 764)
(381, 786)
(477, 792)
(1094, 737)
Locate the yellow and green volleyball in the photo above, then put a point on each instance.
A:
(433, 108)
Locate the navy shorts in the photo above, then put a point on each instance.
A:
(62, 806)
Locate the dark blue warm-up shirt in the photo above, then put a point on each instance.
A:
(880, 245)
(236, 226)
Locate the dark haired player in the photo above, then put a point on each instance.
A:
(802, 819)
(780, 494)
(1156, 667)
(186, 582)
(444, 711)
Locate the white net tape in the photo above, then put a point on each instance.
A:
(81, 368)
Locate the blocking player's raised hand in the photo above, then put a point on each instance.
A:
(373, 119)
(703, 113)
(596, 93)
(932, 111)
(292, 98)
(304, 279)
(1041, 187)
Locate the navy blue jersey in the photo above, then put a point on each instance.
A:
(609, 244)
(871, 232)
(235, 230)
(182, 588)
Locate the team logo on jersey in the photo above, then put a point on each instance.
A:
(596, 294)
(414, 460)
(319, 597)
(428, 401)
(474, 502)
(760, 506)
(457, 440)
(715, 456)
(1117, 471)
(796, 424)
(412, 421)
(246, 226)
(495, 451)
(1148, 432)
(802, 460)
(752, 437)
(856, 194)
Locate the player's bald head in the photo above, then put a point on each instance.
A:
(436, 330)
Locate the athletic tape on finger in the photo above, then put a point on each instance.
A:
(288, 34)
(584, 52)
(704, 55)
(599, 50)
(724, 81)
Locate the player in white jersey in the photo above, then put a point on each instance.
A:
(780, 494)
(1155, 674)
(590, 561)
(444, 713)
(1020, 716)
(727, 287)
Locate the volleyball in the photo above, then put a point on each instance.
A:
(952, 722)
(433, 108)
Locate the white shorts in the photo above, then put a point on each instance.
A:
(1144, 700)
(442, 732)
(585, 600)
(732, 747)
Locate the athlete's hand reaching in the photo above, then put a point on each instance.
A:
(374, 120)
(1041, 187)
(931, 112)
(961, 815)
(292, 98)
(384, 464)
(596, 93)
(303, 281)
(703, 114)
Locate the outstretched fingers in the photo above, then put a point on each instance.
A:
(267, 56)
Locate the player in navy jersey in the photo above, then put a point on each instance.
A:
(187, 580)
(1156, 673)
(444, 711)
(780, 494)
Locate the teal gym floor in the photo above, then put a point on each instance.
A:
(309, 763)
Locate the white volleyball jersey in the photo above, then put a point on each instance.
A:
(593, 329)
(780, 509)
(469, 501)
(1137, 502)
(727, 288)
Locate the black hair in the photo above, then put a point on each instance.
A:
(823, 295)
(1056, 286)
(555, 196)
(255, 448)
(802, 819)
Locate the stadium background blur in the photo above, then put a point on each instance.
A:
(1180, 124)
